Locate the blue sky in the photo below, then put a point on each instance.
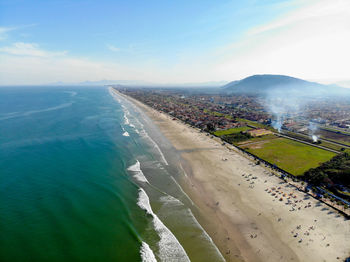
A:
(170, 41)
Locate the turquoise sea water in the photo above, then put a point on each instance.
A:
(72, 165)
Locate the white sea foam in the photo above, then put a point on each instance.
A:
(205, 234)
(178, 185)
(172, 203)
(126, 133)
(169, 247)
(139, 125)
(138, 174)
(31, 112)
(147, 253)
(145, 134)
(114, 95)
(126, 120)
(143, 131)
(8, 114)
(72, 93)
(126, 111)
(170, 200)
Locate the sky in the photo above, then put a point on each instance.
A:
(171, 42)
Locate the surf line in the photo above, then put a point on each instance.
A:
(170, 248)
(127, 122)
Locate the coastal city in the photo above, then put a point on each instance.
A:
(223, 111)
(320, 128)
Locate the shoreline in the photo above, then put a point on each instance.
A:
(237, 210)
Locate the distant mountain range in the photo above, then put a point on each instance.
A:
(139, 83)
(264, 84)
(255, 85)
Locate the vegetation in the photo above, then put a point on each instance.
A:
(231, 131)
(343, 139)
(236, 137)
(246, 121)
(320, 142)
(256, 139)
(214, 113)
(254, 123)
(334, 130)
(332, 146)
(336, 170)
(290, 155)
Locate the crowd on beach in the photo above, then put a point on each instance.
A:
(290, 196)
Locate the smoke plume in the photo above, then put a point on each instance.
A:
(312, 131)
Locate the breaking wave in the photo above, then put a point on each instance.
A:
(169, 247)
(142, 131)
(155, 145)
(147, 253)
(138, 174)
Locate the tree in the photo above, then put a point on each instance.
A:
(210, 127)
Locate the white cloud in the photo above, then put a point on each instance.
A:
(113, 48)
(311, 42)
(29, 49)
(4, 31)
(308, 10)
(27, 63)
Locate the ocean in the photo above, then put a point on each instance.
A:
(86, 176)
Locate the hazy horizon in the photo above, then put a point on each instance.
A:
(158, 42)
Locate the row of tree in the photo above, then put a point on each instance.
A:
(334, 171)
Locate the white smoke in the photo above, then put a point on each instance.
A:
(278, 122)
(312, 131)
(288, 102)
(281, 105)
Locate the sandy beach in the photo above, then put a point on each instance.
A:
(251, 214)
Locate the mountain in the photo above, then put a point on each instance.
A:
(344, 83)
(264, 84)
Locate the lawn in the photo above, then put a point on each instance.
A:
(290, 155)
(231, 131)
(255, 124)
(256, 139)
(308, 139)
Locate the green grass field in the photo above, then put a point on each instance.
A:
(231, 131)
(292, 156)
(255, 124)
(255, 139)
(307, 139)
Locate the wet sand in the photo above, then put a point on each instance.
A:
(250, 214)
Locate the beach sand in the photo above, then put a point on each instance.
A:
(250, 214)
